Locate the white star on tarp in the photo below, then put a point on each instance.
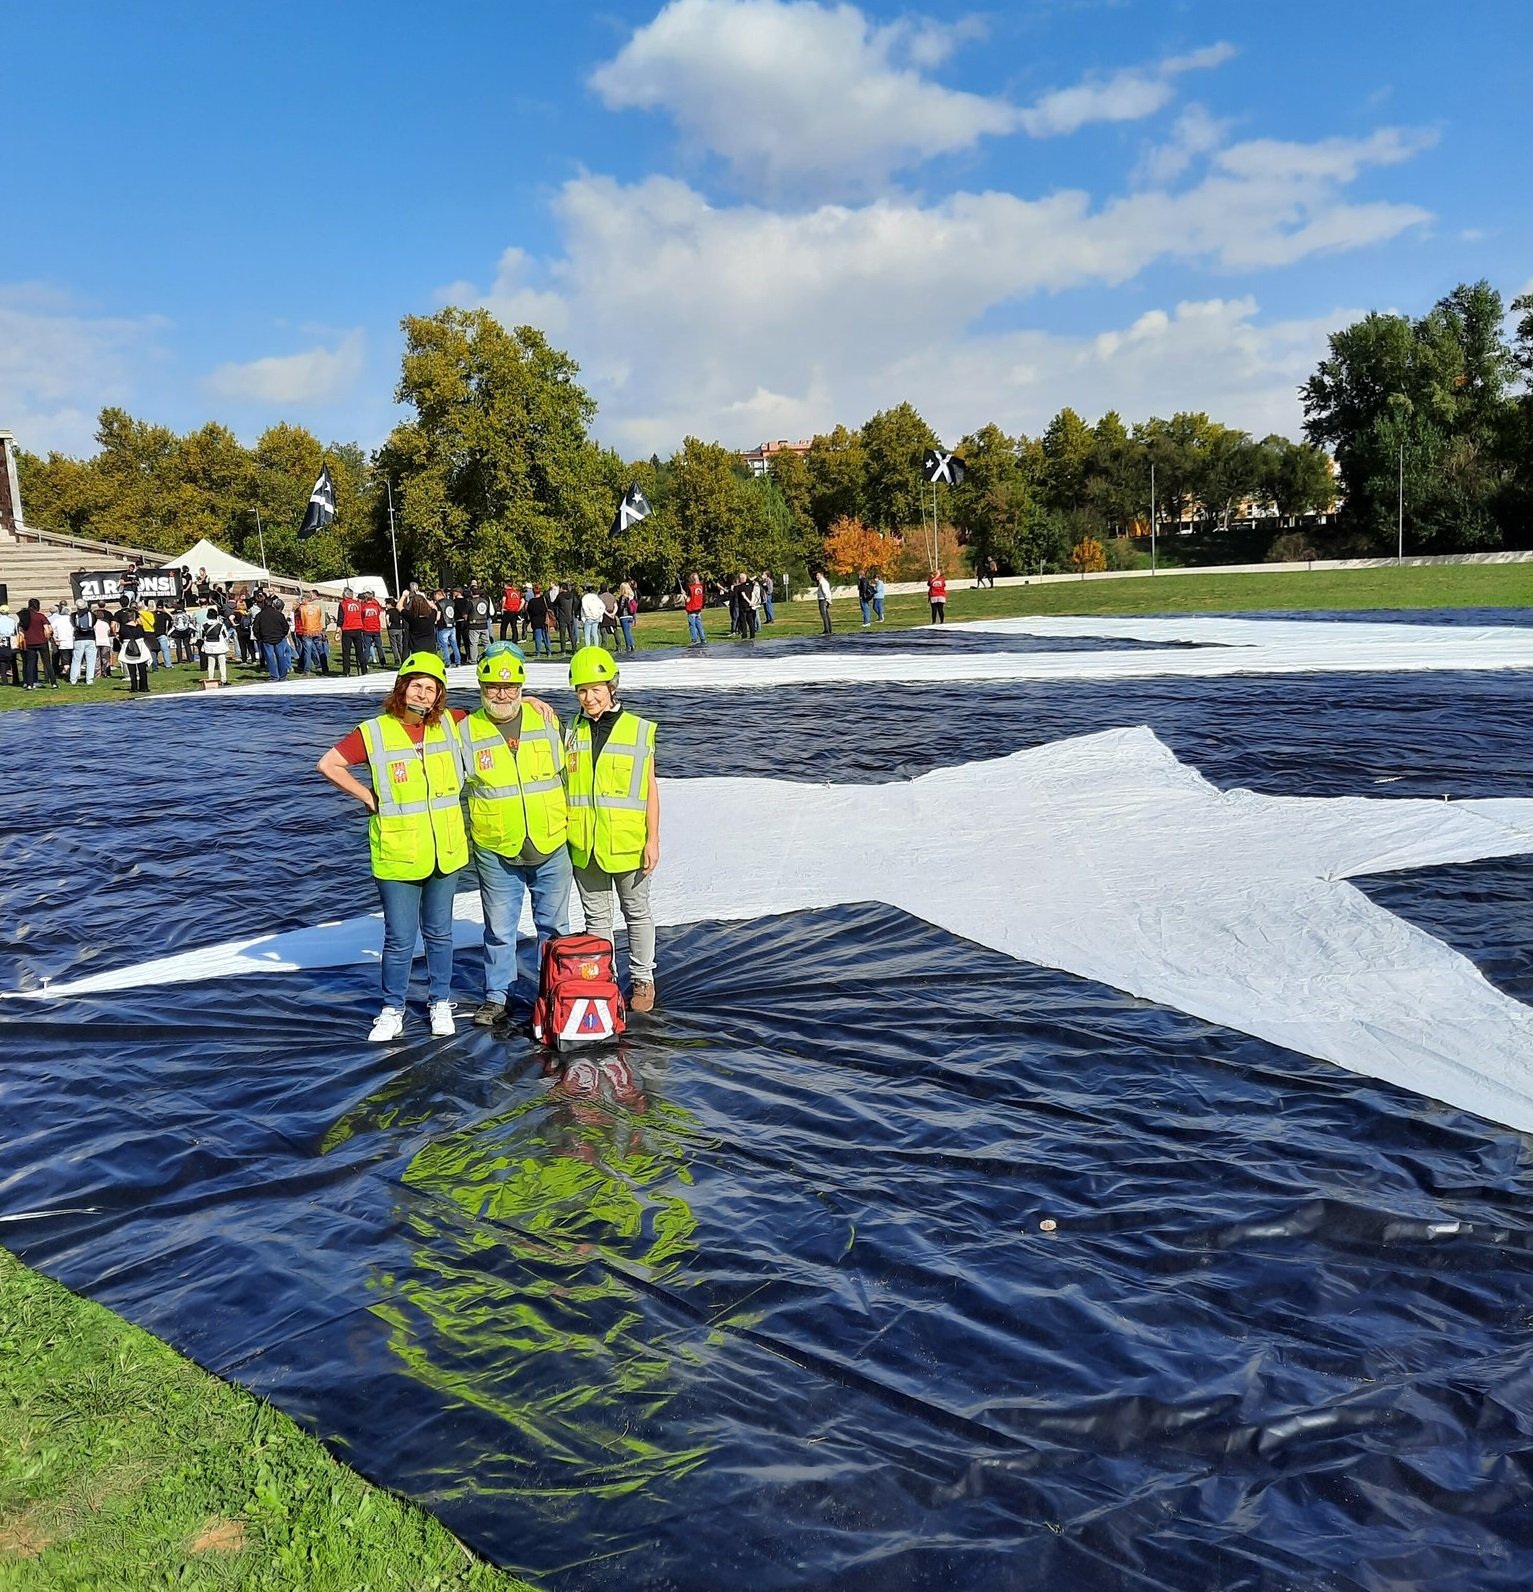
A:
(1103, 856)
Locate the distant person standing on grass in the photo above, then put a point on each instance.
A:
(936, 595)
(767, 589)
(696, 597)
(133, 649)
(215, 643)
(38, 636)
(822, 596)
(10, 627)
(880, 591)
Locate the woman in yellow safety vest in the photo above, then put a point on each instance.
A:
(517, 819)
(614, 814)
(416, 832)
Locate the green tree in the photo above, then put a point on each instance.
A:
(1295, 478)
(495, 473)
(894, 444)
(1118, 476)
(1067, 449)
(1423, 404)
(835, 470)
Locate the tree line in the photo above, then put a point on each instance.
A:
(494, 473)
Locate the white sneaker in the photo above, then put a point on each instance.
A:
(440, 1013)
(389, 1024)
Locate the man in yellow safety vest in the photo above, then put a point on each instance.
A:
(517, 817)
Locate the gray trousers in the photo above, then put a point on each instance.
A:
(596, 887)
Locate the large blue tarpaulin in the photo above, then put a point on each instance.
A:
(765, 1297)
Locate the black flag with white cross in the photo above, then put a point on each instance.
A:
(940, 466)
(633, 508)
(321, 510)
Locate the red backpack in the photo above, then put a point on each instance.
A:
(578, 1001)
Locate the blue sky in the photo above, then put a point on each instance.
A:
(745, 218)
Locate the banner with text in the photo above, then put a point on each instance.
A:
(108, 585)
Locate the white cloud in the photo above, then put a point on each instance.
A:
(59, 367)
(317, 376)
(1126, 96)
(792, 92)
(741, 322)
(799, 96)
(1195, 133)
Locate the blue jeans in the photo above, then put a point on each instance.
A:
(167, 652)
(411, 907)
(695, 627)
(447, 645)
(766, 608)
(626, 621)
(867, 611)
(540, 643)
(503, 885)
(278, 658)
(83, 663)
(878, 608)
(590, 632)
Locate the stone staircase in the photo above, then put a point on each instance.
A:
(39, 564)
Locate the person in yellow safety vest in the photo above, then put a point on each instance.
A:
(416, 832)
(614, 811)
(517, 819)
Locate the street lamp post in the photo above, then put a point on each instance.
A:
(1152, 516)
(261, 538)
(1400, 510)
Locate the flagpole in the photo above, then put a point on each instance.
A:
(393, 543)
(261, 537)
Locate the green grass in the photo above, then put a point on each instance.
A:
(1427, 586)
(124, 1466)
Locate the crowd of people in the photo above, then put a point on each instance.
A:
(302, 634)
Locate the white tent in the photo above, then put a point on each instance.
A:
(225, 567)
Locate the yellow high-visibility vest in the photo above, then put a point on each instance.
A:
(609, 795)
(418, 827)
(512, 799)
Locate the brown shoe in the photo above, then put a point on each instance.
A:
(643, 997)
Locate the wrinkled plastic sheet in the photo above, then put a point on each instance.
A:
(765, 1298)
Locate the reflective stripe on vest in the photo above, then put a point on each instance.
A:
(514, 798)
(418, 827)
(609, 794)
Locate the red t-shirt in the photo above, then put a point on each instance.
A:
(354, 748)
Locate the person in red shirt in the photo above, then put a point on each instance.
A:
(372, 626)
(38, 635)
(696, 595)
(511, 612)
(936, 595)
(353, 634)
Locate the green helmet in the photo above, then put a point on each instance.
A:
(424, 663)
(503, 664)
(592, 665)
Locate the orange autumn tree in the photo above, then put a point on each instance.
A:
(1088, 556)
(851, 546)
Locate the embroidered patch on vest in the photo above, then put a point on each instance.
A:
(399, 772)
(486, 759)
